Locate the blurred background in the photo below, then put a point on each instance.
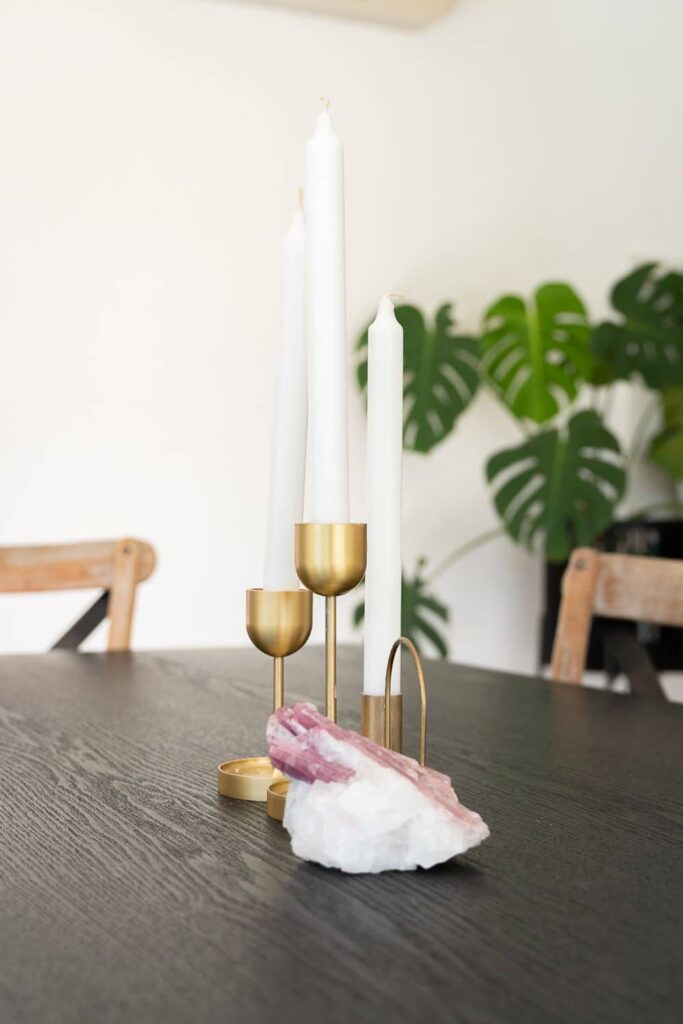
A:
(151, 152)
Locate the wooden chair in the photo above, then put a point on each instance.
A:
(115, 565)
(626, 587)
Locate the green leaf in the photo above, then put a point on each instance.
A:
(440, 371)
(536, 353)
(647, 340)
(421, 614)
(666, 449)
(601, 374)
(561, 487)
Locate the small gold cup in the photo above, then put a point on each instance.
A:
(330, 560)
(278, 623)
(330, 557)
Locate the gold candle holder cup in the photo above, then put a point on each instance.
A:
(279, 624)
(330, 560)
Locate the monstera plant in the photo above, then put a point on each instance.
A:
(545, 362)
(564, 485)
(560, 486)
(645, 339)
(666, 449)
(536, 354)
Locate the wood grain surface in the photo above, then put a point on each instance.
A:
(130, 891)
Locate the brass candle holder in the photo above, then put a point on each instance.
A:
(279, 624)
(382, 716)
(373, 717)
(330, 560)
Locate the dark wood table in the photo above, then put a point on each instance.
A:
(132, 892)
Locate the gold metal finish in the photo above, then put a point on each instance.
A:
(247, 778)
(331, 658)
(372, 719)
(277, 798)
(278, 683)
(330, 560)
(405, 642)
(278, 623)
(330, 557)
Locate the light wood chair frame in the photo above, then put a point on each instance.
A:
(115, 566)
(628, 587)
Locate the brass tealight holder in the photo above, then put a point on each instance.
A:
(330, 560)
(382, 716)
(278, 623)
(276, 799)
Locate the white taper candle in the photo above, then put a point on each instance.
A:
(326, 321)
(290, 413)
(385, 448)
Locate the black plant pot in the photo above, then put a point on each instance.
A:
(662, 538)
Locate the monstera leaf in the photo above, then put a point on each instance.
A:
(440, 376)
(647, 340)
(563, 486)
(666, 449)
(536, 353)
(419, 610)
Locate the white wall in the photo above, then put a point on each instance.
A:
(150, 153)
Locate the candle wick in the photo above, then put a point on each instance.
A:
(396, 295)
(325, 102)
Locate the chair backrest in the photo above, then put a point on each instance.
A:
(117, 566)
(617, 587)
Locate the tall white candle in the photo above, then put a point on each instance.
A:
(385, 447)
(288, 449)
(326, 321)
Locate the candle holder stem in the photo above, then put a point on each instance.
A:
(331, 658)
(278, 682)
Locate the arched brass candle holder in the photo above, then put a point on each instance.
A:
(278, 623)
(388, 730)
(330, 560)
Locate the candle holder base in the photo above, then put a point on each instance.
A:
(277, 798)
(404, 641)
(372, 719)
(247, 778)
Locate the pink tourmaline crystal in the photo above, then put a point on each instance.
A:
(356, 806)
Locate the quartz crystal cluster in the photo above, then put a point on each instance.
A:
(356, 806)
